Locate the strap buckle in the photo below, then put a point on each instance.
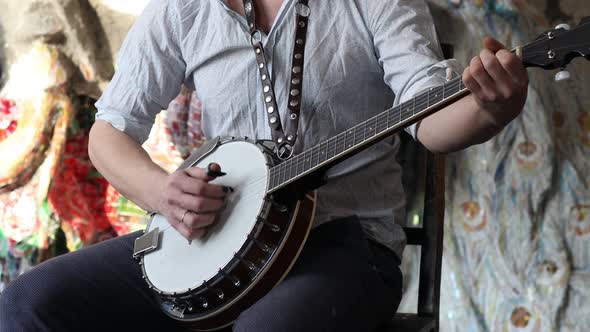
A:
(285, 150)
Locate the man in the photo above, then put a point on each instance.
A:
(361, 56)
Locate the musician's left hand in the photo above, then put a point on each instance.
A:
(498, 81)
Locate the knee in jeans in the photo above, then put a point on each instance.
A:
(12, 299)
(27, 293)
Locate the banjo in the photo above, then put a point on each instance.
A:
(206, 283)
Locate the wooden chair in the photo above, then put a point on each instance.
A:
(423, 177)
(424, 183)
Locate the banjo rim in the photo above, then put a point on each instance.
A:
(235, 260)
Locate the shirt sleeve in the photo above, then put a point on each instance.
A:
(149, 72)
(407, 47)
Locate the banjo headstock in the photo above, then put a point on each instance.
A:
(556, 48)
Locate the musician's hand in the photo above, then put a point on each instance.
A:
(190, 202)
(498, 81)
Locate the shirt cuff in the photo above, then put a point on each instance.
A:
(436, 75)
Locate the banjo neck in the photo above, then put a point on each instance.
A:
(342, 146)
(553, 49)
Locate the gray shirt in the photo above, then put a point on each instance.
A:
(361, 57)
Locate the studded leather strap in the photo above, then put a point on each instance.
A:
(284, 141)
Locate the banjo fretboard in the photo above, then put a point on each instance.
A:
(365, 133)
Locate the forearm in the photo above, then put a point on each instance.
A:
(458, 126)
(126, 165)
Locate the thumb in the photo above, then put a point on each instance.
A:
(214, 171)
(492, 44)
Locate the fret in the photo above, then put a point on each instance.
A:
(273, 175)
(406, 111)
(423, 103)
(276, 174)
(376, 124)
(359, 133)
(435, 95)
(371, 130)
(340, 144)
(314, 158)
(329, 148)
(289, 168)
(318, 158)
(323, 157)
(293, 162)
(381, 124)
(304, 158)
(451, 88)
(301, 162)
(307, 164)
(295, 166)
(282, 176)
(349, 140)
(394, 117)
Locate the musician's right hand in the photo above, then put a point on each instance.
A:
(190, 203)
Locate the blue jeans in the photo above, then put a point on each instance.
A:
(341, 282)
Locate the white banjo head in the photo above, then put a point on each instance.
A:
(177, 266)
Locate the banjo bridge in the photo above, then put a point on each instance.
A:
(146, 243)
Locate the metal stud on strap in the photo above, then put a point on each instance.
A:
(284, 148)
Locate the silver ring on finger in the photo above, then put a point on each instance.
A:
(183, 215)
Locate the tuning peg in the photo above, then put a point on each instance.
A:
(563, 75)
(563, 26)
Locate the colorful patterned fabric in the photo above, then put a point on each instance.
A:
(48, 185)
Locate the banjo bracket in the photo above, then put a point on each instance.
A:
(146, 243)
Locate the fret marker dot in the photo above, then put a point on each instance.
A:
(271, 109)
(266, 88)
(268, 99)
(298, 56)
(264, 77)
(299, 41)
(261, 65)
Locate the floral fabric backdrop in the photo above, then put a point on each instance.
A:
(517, 226)
(48, 186)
